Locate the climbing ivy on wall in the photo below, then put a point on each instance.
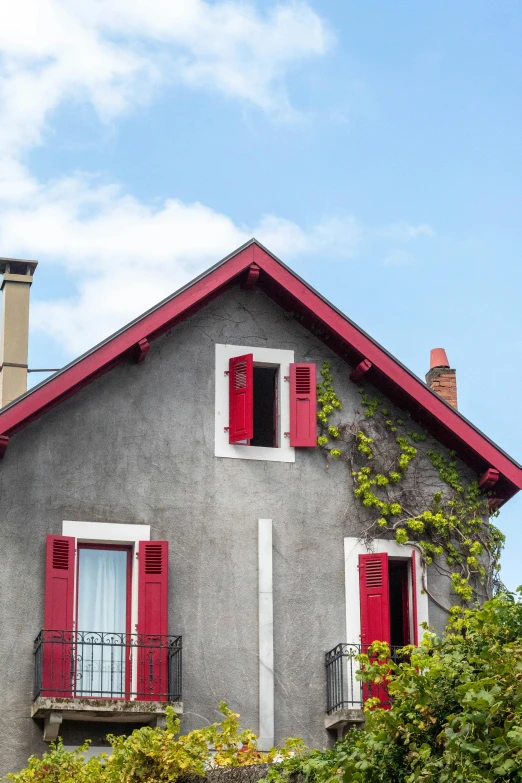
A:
(391, 463)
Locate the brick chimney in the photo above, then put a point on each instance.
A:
(440, 378)
(17, 276)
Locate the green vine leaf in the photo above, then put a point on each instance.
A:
(381, 451)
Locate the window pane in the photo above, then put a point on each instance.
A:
(102, 614)
(102, 590)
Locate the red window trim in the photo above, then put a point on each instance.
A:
(415, 619)
(120, 548)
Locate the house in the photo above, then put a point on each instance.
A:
(173, 534)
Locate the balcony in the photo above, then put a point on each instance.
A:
(99, 676)
(345, 694)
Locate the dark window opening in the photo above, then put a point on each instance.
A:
(399, 611)
(265, 407)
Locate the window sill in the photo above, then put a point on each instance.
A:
(265, 453)
(54, 710)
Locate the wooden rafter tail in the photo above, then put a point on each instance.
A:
(141, 350)
(489, 479)
(361, 370)
(251, 277)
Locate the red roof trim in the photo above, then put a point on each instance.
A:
(272, 272)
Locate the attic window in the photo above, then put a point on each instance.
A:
(265, 406)
(254, 403)
(399, 611)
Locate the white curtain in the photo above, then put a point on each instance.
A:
(102, 606)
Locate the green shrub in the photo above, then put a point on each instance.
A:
(154, 755)
(456, 714)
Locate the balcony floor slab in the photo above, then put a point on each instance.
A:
(339, 719)
(107, 710)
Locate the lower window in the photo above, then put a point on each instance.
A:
(86, 648)
(103, 620)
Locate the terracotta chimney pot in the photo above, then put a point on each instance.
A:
(438, 358)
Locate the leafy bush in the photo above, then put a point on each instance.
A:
(456, 717)
(154, 755)
(456, 712)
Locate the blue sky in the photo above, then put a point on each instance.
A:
(375, 147)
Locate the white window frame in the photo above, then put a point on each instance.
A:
(111, 533)
(353, 547)
(281, 359)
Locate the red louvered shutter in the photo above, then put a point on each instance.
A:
(58, 652)
(153, 564)
(375, 598)
(375, 610)
(303, 405)
(241, 398)
(415, 621)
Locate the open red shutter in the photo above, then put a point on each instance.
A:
(415, 621)
(303, 405)
(241, 398)
(153, 563)
(375, 611)
(58, 658)
(375, 598)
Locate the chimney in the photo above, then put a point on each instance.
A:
(15, 287)
(440, 378)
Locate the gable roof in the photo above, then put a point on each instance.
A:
(254, 264)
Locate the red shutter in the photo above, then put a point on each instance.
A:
(153, 564)
(241, 398)
(303, 405)
(375, 611)
(415, 621)
(58, 658)
(375, 598)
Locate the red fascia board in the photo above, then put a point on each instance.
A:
(417, 391)
(105, 356)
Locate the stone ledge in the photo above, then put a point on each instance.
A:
(342, 718)
(54, 710)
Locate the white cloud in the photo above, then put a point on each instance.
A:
(125, 256)
(112, 53)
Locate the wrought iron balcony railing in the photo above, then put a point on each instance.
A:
(101, 665)
(343, 689)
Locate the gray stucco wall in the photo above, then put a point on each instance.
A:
(137, 446)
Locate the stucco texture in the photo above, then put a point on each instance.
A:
(137, 446)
